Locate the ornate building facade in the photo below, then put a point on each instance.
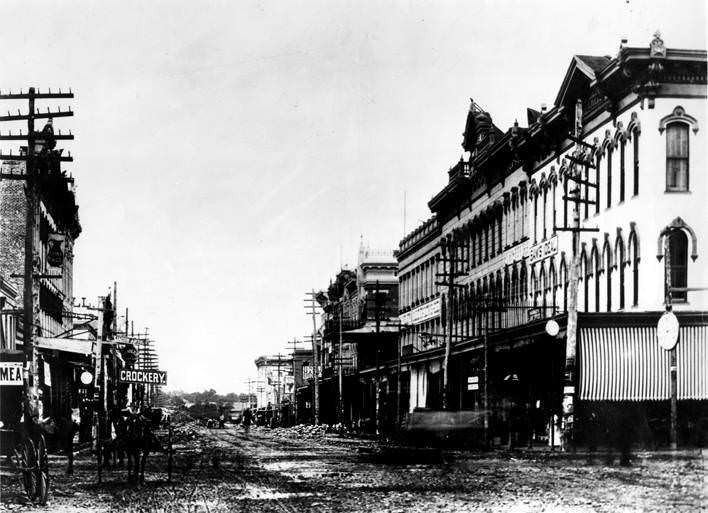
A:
(500, 248)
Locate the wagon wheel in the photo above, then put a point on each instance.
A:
(26, 462)
(170, 452)
(42, 471)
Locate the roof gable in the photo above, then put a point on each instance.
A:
(581, 72)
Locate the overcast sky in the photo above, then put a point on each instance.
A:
(229, 155)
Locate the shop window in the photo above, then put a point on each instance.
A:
(677, 157)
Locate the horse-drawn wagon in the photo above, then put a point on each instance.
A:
(22, 443)
(133, 436)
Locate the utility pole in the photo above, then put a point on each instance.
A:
(339, 366)
(294, 342)
(312, 310)
(450, 273)
(673, 435)
(32, 261)
(578, 162)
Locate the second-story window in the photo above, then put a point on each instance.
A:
(677, 157)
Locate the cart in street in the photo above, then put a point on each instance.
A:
(22, 446)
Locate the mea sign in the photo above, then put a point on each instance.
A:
(148, 377)
(11, 373)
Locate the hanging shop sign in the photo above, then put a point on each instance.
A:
(55, 249)
(11, 373)
(422, 313)
(543, 249)
(146, 377)
(473, 383)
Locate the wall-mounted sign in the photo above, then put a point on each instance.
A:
(147, 377)
(543, 249)
(473, 383)
(11, 373)
(55, 249)
(422, 313)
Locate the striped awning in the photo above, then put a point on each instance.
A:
(627, 364)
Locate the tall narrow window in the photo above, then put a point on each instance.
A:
(609, 175)
(608, 274)
(587, 274)
(633, 255)
(623, 144)
(535, 217)
(677, 157)
(565, 203)
(619, 258)
(598, 175)
(597, 266)
(492, 236)
(500, 246)
(545, 211)
(553, 196)
(678, 251)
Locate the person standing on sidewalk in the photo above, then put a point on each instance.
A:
(246, 419)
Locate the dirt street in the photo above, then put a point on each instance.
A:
(282, 470)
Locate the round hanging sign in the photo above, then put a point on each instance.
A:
(86, 377)
(667, 330)
(552, 328)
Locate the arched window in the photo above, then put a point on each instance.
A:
(565, 203)
(678, 251)
(535, 217)
(620, 260)
(523, 284)
(598, 179)
(498, 303)
(608, 153)
(633, 254)
(553, 286)
(586, 275)
(500, 240)
(565, 279)
(542, 288)
(545, 212)
(607, 257)
(596, 265)
(677, 156)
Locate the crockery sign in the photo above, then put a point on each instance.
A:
(11, 373)
(148, 377)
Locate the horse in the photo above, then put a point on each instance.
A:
(136, 438)
(59, 433)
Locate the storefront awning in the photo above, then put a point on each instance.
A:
(627, 364)
(70, 345)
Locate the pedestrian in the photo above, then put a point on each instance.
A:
(246, 419)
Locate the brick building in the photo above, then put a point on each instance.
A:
(59, 363)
